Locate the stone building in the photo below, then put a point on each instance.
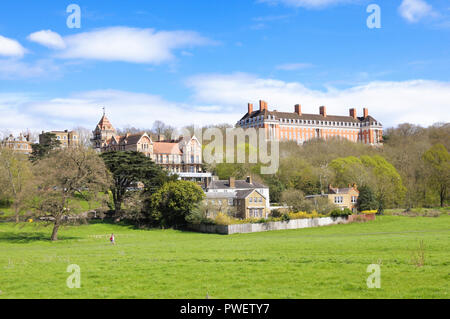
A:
(67, 138)
(20, 144)
(301, 127)
(247, 198)
(342, 197)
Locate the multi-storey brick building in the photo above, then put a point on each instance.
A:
(20, 144)
(67, 138)
(179, 156)
(301, 127)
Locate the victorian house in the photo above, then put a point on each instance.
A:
(178, 156)
(20, 144)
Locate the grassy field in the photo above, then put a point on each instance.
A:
(326, 262)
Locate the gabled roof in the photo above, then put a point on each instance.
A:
(242, 194)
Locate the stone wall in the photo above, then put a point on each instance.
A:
(260, 227)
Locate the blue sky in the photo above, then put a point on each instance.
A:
(200, 62)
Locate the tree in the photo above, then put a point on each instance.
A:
(385, 181)
(294, 199)
(366, 199)
(128, 168)
(84, 136)
(16, 179)
(40, 150)
(173, 202)
(62, 175)
(437, 160)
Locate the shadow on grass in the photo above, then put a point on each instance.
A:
(25, 237)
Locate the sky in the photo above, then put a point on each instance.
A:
(201, 62)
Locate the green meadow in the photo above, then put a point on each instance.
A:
(325, 262)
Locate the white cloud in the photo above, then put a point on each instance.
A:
(308, 3)
(123, 108)
(48, 38)
(122, 44)
(13, 69)
(293, 66)
(417, 101)
(10, 47)
(223, 98)
(415, 10)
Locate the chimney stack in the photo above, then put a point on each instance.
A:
(298, 109)
(262, 105)
(250, 108)
(366, 112)
(249, 180)
(353, 113)
(323, 111)
(232, 182)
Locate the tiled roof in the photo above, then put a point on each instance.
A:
(166, 148)
(105, 123)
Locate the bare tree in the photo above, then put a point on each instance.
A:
(84, 136)
(64, 174)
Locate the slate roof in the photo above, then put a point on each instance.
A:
(225, 184)
(318, 117)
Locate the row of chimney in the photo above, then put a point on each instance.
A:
(298, 109)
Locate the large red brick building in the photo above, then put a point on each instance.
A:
(301, 127)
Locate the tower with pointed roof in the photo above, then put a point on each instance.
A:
(103, 132)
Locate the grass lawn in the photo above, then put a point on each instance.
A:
(326, 262)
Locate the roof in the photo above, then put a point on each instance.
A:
(239, 184)
(104, 123)
(341, 190)
(211, 195)
(166, 148)
(318, 117)
(245, 193)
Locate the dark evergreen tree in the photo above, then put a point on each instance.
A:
(129, 168)
(49, 142)
(367, 199)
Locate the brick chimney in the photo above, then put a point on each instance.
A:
(262, 105)
(250, 108)
(323, 111)
(298, 109)
(249, 180)
(353, 113)
(366, 112)
(232, 182)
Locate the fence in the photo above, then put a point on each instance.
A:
(260, 227)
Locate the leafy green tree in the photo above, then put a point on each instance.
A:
(366, 199)
(385, 181)
(129, 168)
(16, 180)
(349, 170)
(40, 150)
(437, 160)
(173, 202)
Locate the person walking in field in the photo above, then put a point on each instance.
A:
(112, 239)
